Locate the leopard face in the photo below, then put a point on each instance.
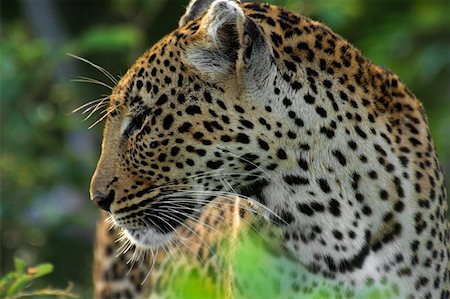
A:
(182, 131)
(253, 101)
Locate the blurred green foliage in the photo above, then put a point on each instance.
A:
(48, 155)
(16, 284)
(251, 255)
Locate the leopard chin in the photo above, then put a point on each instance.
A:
(147, 238)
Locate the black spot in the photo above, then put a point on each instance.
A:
(193, 109)
(327, 83)
(324, 185)
(198, 135)
(181, 99)
(305, 209)
(291, 135)
(383, 194)
(168, 120)
(184, 127)
(403, 160)
(299, 122)
(161, 100)
(286, 217)
(334, 207)
(272, 166)
(322, 112)
(214, 164)
(208, 97)
(287, 102)
(343, 96)
(162, 157)
(295, 180)
(239, 109)
(276, 39)
(157, 112)
(379, 149)
(290, 66)
(242, 138)
(373, 174)
(340, 157)
(359, 197)
(304, 47)
(414, 141)
(208, 126)
(366, 210)
(221, 104)
(291, 114)
(281, 154)
(225, 138)
(352, 145)
(399, 206)
(246, 123)
(139, 84)
(360, 132)
(317, 206)
(200, 152)
(174, 151)
(309, 99)
(327, 132)
(296, 85)
(151, 58)
(337, 234)
(398, 187)
(263, 144)
(303, 164)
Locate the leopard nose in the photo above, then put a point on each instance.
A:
(104, 201)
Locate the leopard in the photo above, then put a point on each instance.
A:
(249, 117)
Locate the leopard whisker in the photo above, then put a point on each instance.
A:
(245, 160)
(83, 79)
(173, 245)
(208, 202)
(240, 205)
(101, 69)
(189, 216)
(96, 108)
(154, 256)
(188, 228)
(90, 103)
(108, 111)
(222, 194)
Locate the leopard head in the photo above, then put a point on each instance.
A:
(187, 123)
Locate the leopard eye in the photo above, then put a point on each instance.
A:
(135, 124)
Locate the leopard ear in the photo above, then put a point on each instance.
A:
(228, 43)
(195, 9)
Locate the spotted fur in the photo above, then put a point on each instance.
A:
(253, 99)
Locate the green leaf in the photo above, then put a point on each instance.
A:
(19, 265)
(41, 270)
(18, 285)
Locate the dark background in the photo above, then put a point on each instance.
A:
(48, 154)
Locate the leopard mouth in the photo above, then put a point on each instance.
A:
(147, 237)
(160, 221)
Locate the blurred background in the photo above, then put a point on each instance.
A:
(48, 153)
